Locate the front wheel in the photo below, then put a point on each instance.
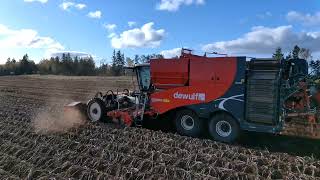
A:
(224, 128)
(188, 123)
(96, 109)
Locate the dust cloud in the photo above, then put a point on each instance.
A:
(53, 119)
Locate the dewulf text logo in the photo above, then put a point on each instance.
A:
(193, 96)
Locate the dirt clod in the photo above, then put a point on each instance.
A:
(38, 142)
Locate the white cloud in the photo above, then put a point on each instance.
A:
(145, 36)
(264, 15)
(110, 27)
(131, 23)
(25, 38)
(95, 14)
(67, 5)
(264, 40)
(171, 53)
(111, 35)
(73, 54)
(174, 5)
(305, 19)
(80, 6)
(41, 1)
(13, 42)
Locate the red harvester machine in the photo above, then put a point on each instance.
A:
(223, 95)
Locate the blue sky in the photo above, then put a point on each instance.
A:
(96, 27)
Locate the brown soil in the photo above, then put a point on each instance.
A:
(77, 150)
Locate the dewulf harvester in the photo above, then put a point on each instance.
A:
(221, 95)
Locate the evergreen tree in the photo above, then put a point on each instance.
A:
(145, 58)
(56, 66)
(118, 58)
(114, 58)
(103, 69)
(8, 61)
(278, 55)
(68, 65)
(122, 60)
(63, 64)
(24, 65)
(114, 63)
(63, 58)
(75, 65)
(136, 59)
(129, 62)
(315, 67)
(295, 52)
(87, 66)
(118, 62)
(10, 67)
(157, 56)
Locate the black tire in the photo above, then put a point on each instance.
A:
(188, 123)
(96, 110)
(224, 128)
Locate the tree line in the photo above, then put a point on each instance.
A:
(299, 53)
(73, 66)
(295, 53)
(85, 66)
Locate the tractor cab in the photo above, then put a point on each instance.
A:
(143, 76)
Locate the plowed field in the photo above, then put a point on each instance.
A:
(101, 151)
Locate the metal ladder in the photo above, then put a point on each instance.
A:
(142, 103)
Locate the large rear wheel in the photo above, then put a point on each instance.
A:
(188, 123)
(224, 128)
(96, 110)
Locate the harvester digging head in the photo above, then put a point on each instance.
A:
(125, 108)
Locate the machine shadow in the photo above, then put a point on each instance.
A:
(292, 145)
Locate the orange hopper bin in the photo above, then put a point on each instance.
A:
(169, 73)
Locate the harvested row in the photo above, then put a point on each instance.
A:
(106, 162)
(102, 151)
(215, 154)
(88, 157)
